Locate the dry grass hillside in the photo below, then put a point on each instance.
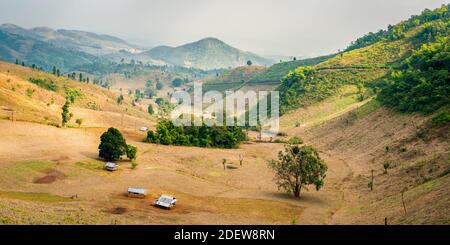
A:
(366, 136)
(369, 138)
(95, 105)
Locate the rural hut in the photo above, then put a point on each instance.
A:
(137, 192)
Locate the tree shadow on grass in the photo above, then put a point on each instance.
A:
(304, 198)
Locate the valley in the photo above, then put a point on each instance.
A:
(387, 162)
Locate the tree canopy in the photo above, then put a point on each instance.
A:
(204, 136)
(113, 146)
(298, 167)
(397, 31)
(421, 82)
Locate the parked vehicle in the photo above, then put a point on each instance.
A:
(110, 166)
(166, 201)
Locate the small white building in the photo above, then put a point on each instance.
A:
(137, 192)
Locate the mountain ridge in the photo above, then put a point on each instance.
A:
(87, 48)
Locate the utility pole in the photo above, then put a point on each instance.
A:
(403, 200)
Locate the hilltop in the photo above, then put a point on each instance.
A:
(207, 54)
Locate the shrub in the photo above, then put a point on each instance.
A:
(72, 94)
(295, 141)
(44, 83)
(150, 110)
(79, 121)
(120, 99)
(386, 166)
(177, 82)
(131, 152)
(30, 92)
(441, 119)
(159, 85)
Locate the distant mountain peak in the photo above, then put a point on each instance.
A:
(210, 39)
(9, 25)
(207, 53)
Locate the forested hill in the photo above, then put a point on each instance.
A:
(396, 32)
(406, 65)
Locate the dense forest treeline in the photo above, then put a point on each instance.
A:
(204, 136)
(396, 32)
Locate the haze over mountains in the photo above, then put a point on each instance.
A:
(70, 49)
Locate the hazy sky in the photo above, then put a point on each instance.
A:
(283, 27)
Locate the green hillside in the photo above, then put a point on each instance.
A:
(257, 75)
(275, 73)
(368, 66)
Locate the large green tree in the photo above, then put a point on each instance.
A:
(298, 167)
(112, 145)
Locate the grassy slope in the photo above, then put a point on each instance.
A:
(33, 103)
(364, 66)
(275, 73)
(257, 76)
(232, 79)
(365, 136)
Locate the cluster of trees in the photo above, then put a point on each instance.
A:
(56, 71)
(81, 78)
(204, 136)
(150, 89)
(113, 146)
(292, 86)
(44, 83)
(164, 106)
(421, 82)
(71, 95)
(398, 31)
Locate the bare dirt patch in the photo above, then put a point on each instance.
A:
(51, 176)
(118, 210)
